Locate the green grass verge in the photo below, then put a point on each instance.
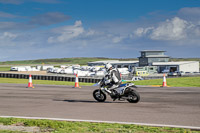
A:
(87, 127)
(4, 69)
(173, 82)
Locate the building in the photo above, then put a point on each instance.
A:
(149, 56)
(158, 59)
(152, 61)
(184, 66)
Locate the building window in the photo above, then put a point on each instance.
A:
(119, 66)
(143, 54)
(126, 66)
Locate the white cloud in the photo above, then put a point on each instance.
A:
(174, 29)
(78, 23)
(77, 35)
(197, 30)
(8, 35)
(142, 31)
(66, 33)
(117, 39)
(170, 30)
(7, 39)
(139, 32)
(90, 32)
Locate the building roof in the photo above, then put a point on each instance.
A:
(172, 63)
(157, 56)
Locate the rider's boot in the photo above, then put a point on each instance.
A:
(114, 95)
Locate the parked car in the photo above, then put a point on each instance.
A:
(165, 71)
(181, 73)
(187, 72)
(137, 78)
(176, 73)
(13, 68)
(172, 74)
(195, 72)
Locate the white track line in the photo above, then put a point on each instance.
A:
(97, 121)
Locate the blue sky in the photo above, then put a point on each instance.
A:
(38, 29)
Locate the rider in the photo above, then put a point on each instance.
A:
(112, 78)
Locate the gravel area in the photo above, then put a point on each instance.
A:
(20, 128)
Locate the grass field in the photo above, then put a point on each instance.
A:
(173, 82)
(86, 127)
(5, 69)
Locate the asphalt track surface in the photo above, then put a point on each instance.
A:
(166, 106)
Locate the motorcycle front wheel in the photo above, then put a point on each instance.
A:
(133, 97)
(99, 95)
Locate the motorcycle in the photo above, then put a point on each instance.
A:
(123, 92)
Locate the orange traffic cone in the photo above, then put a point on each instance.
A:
(164, 81)
(76, 82)
(30, 84)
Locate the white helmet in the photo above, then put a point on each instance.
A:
(108, 66)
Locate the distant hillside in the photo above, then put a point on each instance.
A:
(80, 61)
(185, 59)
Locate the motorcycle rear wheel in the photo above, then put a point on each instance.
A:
(99, 95)
(133, 97)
